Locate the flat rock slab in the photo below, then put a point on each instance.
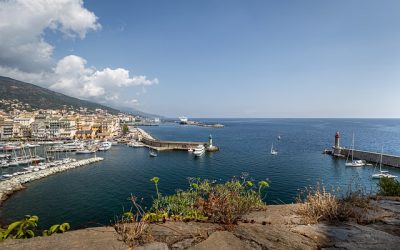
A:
(276, 214)
(84, 239)
(274, 237)
(225, 241)
(348, 236)
(175, 232)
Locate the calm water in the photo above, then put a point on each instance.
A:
(95, 194)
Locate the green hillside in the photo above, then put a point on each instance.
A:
(42, 98)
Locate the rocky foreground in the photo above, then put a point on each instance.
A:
(278, 227)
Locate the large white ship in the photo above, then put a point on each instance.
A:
(183, 119)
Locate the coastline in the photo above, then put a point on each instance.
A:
(14, 184)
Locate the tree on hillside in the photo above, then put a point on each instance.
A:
(125, 129)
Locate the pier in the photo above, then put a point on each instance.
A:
(170, 145)
(15, 183)
(372, 157)
(160, 145)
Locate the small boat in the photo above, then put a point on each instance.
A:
(199, 150)
(273, 151)
(85, 151)
(353, 163)
(135, 144)
(104, 146)
(279, 137)
(190, 150)
(382, 173)
(153, 153)
(7, 175)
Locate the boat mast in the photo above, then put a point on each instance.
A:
(352, 150)
(380, 162)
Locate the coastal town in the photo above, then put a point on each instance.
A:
(19, 121)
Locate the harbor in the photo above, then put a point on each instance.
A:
(97, 193)
(15, 183)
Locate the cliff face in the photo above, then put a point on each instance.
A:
(278, 227)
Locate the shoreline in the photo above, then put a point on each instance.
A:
(14, 184)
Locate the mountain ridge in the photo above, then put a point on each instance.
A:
(42, 98)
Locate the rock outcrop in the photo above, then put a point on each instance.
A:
(278, 227)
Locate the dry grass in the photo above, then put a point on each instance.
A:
(321, 204)
(132, 227)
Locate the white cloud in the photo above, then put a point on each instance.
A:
(26, 56)
(22, 27)
(74, 78)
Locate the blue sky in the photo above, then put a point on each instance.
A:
(245, 58)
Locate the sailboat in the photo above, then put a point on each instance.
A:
(354, 163)
(273, 151)
(382, 173)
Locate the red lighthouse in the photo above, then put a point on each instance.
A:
(337, 140)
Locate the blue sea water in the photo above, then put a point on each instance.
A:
(95, 194)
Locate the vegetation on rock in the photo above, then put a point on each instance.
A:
(320, 204)
(389, 187)
(25, 228)
(204, 200)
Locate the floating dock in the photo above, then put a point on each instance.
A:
(372, 157)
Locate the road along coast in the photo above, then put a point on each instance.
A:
(15, 183)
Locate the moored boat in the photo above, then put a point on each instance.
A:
(199, 150)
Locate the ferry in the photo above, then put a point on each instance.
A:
(183, 120)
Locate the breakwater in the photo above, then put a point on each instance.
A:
(153, 143)
(15, 183)
(373, 157)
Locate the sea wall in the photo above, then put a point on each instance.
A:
(390, 160)
(15, 183)
(170, 145)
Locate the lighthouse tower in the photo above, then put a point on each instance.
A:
(336, 148)
(210, 141)
(337, 140)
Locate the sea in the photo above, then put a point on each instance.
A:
(97, 194)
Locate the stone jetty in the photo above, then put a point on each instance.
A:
(15, 183)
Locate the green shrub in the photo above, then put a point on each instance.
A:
(389, 187)
(204, 200)
(25, 228)
(57, 228)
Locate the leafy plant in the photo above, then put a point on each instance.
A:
(155, 180)
(25, 228)
(205, 200)
(20, 229)
(389, 187)
(57, 228)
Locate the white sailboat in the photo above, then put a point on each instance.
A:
(273, 151)
(382, 173)
(353, 163)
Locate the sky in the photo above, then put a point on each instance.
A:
(211, 58)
